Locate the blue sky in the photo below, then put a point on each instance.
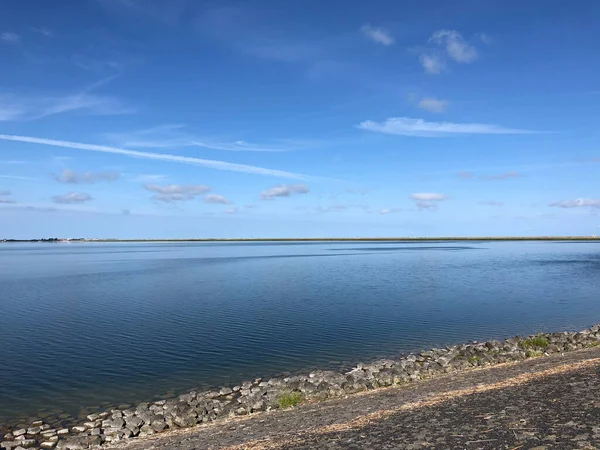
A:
(183, 118)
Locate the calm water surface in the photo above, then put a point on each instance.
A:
(97, 325)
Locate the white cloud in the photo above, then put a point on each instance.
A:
(432, 63)
(389, 211)
(176, 192)
(10, 37)
(214, 198)
(212, 164)
(232, 211)
(407, 126)
(72, 197)
(429, 197)
(378, 34)
(4, 193)
(447, 44)
(433, 104)
(578, 203)
(284, 190)
(428, 200)
(457, 48)
(69, 176)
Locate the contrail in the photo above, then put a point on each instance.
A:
(212, 164)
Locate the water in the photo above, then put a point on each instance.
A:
(99, 325)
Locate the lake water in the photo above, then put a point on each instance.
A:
(100, 324)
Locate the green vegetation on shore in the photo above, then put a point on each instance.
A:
(535, 342)
(288, 399)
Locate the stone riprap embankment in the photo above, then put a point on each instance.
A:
(195, 408)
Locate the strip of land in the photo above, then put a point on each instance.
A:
(325, 239)
(539, 403)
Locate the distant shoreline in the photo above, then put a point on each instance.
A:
(357, 239)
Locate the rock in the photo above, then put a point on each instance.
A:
(142, 407)
(225, 391)
(63, 431)
(117, 423)
(48, 444)
(44, 426)
(79, 429)
(10, 444)
(24, 443)
(19, 432)
(157, 426)
(134, 421)
(9, 436)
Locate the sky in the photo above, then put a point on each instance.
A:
(263, 118)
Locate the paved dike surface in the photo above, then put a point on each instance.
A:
(540, 403)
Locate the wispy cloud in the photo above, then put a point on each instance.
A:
(173, 136)
(168, 13)
(10, 37)
(390, 211)
(176, 192)
(147, 178)
(15, 177)
(69, 176)
(432, 63)
(407, 126)
(11, 161)
(5, 197)
(43, 31)
(428, 200)
(377, 34)
(457, 48)
(578, 203)
(284, 190)
(357, 191)
(492, 203)
(32, 107)
(212, 164)
(443, 45)
(465, 175)
(503, 176)
(214, 198)
(485, 38)
(72, 198)
(282, 50)
(432, 104)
